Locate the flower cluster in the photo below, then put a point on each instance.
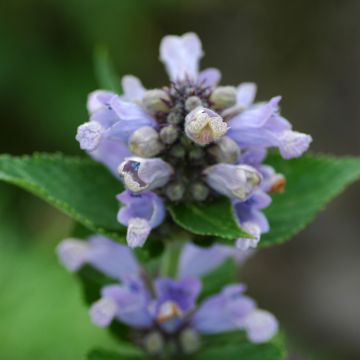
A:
(163, 312)
(190, 141)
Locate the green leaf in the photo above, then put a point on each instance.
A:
(104, 71)
(81, 188)
(312, 181)
(213, 219)
(235, 346)
(126, 353)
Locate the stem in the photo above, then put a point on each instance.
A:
(170, 258)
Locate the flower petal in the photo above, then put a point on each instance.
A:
(109, 257)
(261, 326)
(137, 232)
(181, 55)
(133, 88)
(209, 77)
(245, 94)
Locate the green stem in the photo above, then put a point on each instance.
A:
(170, 258)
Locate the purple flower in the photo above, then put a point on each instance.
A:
(191, 140)
(140, 213)
(231, 310)
(169, 304)
(260, 125)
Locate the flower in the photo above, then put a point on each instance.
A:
(141, 213)
(192, 140)
(165, 310)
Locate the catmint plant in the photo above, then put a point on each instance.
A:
(192, 140)
(191, 169)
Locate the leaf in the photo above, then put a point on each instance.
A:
(104, 71)
(130, 353)
(214, 219)
(235, 346)
(312, 181)
(81, 188)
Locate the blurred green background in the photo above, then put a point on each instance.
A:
(307, 51)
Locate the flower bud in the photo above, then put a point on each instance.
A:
(175, 191)
(156, 100)
(225, 150)
(192, 103)
(145, 142)
(204, 126)
(234, 181)
(153, 343)
(174, 118)
(177, 151)
(189, 341)
(144, 174)
(169, 134)
(199, 191)
(196, 153)
(223, 97)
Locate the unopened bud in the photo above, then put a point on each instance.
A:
(225, 150)
(199, 191)
(169, 134)
(153, 343)
(177, 151)
(156, 100)
(192, 103)
(145, 142)
(189, 341)
(175, 191)
(174, 118)
(204, 126)
(223, 97)
(196, 153)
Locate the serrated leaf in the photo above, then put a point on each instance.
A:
(130, 353)
(312, 181)
(212, 219)
(81, 188)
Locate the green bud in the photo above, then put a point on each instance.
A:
(145, 142)
(169, 134)
(192, 103)
(199, 191)
(153, 343)
(174, 118)
(175, 191)
(156, 100)
(225, 150)
(177, 151)
(223, 97)
(189, 341)
(196, 153)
